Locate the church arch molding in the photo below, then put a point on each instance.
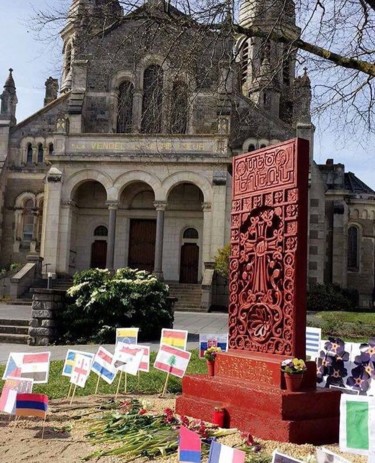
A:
(81, 177)
(136, 176)
(187, 177)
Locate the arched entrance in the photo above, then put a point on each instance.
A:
(137, 201)
(189, 261)
(99, 248)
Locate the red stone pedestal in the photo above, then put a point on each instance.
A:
(250, 386)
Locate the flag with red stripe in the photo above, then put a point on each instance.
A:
(128, 357)
(103, 365)
(175, 338)
(31, 405)
(34, 366)
(172, 360)
(11, 387)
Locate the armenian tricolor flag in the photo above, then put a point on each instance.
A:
(175, 338)
(32, 405)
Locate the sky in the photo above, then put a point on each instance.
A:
(34, 61)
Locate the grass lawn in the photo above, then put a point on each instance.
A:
(349, 326)
(148, 383)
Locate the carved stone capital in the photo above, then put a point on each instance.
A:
(160, 205)
(68, 203)
(206, 207)
(112, 204)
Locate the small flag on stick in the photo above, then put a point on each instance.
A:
(127, 335)
(28, 365)
(175, 338)
(71, 358)
(11, 387)
(220, 453)
(103, 365)
(357, 424)
(172, 360)
(189, 446)
(32, 405)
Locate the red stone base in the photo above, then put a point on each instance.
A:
(250, 388)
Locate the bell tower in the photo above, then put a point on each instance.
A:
(84, 17)
(268, 66)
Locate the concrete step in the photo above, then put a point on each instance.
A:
(14, 338)
(13, 322)
(19, 302)
(12, 329)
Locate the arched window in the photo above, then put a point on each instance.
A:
(50, 149)
(68, 58)
(244, 61)
(191, 233)
(152, 99)
(179, 112)
(101, 231)
(251, 147)
(353, 257)
(29, 153)
(125, 107)
(28, 220)
(40, 153)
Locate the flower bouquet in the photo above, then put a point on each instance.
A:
(293, 373)
(293, 366)
(211, 353)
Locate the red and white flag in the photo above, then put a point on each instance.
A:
(11, 388)
(81, 370)
(128, 357)
(103, 365)
(145, 362)
(32, 365)
(172, 360)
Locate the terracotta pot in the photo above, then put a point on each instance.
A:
(218, 418)
(211, 368)
(293, 382)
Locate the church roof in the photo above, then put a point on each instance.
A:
(355, 185)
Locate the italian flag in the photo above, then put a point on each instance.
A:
(357, 425)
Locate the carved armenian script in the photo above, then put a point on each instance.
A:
(265, 236)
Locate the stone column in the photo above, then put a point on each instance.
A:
(206, 241)
(112, 207)
(51, 218)
(158, 263)
(17, 229)
(67, 208)
(137, 110)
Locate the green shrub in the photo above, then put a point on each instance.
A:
(222, 261)
(99, 302)
(331, 297)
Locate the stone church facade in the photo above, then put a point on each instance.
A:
(129, 160)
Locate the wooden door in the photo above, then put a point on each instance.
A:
(142, 244)
(189, 263)
(99, 254)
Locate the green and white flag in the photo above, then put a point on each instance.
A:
(357, 425)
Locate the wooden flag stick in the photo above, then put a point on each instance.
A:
(70, 390)
(97, 385)
(126, 383)
(165, 385)
(73, 394)
(16, 419)
(139, 379)
(44, 423)
(118, 385)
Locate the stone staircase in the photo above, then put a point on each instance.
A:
(189, 295)
(14, 331)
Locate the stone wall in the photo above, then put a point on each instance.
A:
(43, 327)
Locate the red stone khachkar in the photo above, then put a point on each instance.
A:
(267, 308)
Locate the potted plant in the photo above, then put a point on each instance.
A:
(210, 355)
(293, 370)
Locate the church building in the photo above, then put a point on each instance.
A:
(128, 163)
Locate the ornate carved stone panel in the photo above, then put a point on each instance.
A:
(268, 250)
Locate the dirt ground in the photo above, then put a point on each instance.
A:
(65, 428)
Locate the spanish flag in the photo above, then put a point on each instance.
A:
(28, 404)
